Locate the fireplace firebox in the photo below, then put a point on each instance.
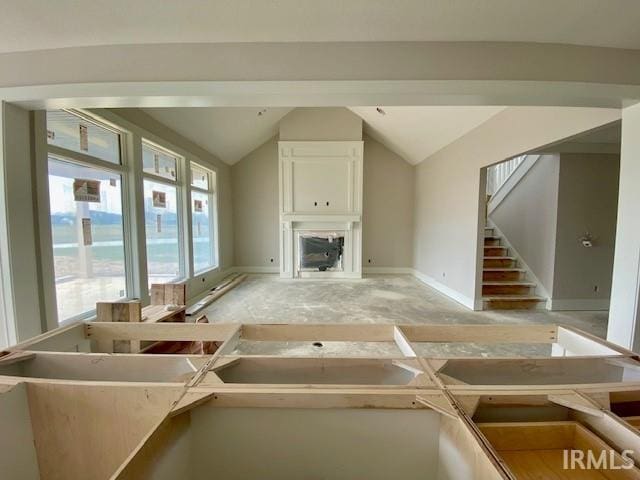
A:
(321, 253)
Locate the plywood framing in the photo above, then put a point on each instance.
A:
(536, 450)
(139, 421)
(93, 428)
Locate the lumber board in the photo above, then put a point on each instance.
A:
(312, 332)
(168, 294)
(159, 331)
(220, 290)
(481, 333)
(578, 402)
(159, 313)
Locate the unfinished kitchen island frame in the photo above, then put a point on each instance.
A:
(83, 411)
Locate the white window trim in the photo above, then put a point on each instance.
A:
(179, 184)
(83, 159)
(131, 138)
(214, 210)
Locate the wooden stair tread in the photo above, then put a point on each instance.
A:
(500, 258)
(514, 298)
(519, 283)
(502, 269)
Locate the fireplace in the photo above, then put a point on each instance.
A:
(321, 252)
(320, 209)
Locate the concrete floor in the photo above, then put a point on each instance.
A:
(374, 299)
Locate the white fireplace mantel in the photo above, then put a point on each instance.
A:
(320, 191)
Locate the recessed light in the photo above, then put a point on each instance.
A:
(380, 111)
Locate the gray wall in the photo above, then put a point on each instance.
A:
(587, 201)
(528, 218)
(448, 200)
(321, 123)
(388, 199)
(387, 214)
(255, 207)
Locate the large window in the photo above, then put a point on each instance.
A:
(163, 217)
(86, 212)
(203, 218)
(94, 191)
(88, 239)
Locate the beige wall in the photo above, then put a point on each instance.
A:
(387, 214)
(389, 191)
(321, 124)
(255, 207)
(447, 234)
(587, 202)
(528, 217)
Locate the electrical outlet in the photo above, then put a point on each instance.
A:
(369, 261)
(271, 260)
(596, 288)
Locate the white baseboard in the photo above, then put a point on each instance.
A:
(389, 270)
(381, 270)
(256, 269)
(579, 304)
(463, 300)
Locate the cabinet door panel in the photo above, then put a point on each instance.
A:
(318, 181)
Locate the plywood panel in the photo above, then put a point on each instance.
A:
(292, 444)
(85, 432)
(18, 459)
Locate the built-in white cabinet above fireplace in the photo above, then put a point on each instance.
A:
(321, 177)
(320, 199)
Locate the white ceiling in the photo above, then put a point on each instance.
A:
(227, 132)
(43, 24)
(414, 133)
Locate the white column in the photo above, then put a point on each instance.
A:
(624, 312)
(17, 225)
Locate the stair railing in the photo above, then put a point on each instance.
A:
(498, 174)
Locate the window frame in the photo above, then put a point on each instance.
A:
(178, 183)
(122, 168)
(212, 193)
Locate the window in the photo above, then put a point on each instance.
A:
(162, 215)
(83, 135)
(203, 218)
(88, 236)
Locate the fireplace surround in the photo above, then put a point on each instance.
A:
(320, 209)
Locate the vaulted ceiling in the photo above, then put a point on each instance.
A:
(227, 132)
(414, 133)
(37, 24)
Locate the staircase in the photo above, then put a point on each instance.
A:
(504, 284)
